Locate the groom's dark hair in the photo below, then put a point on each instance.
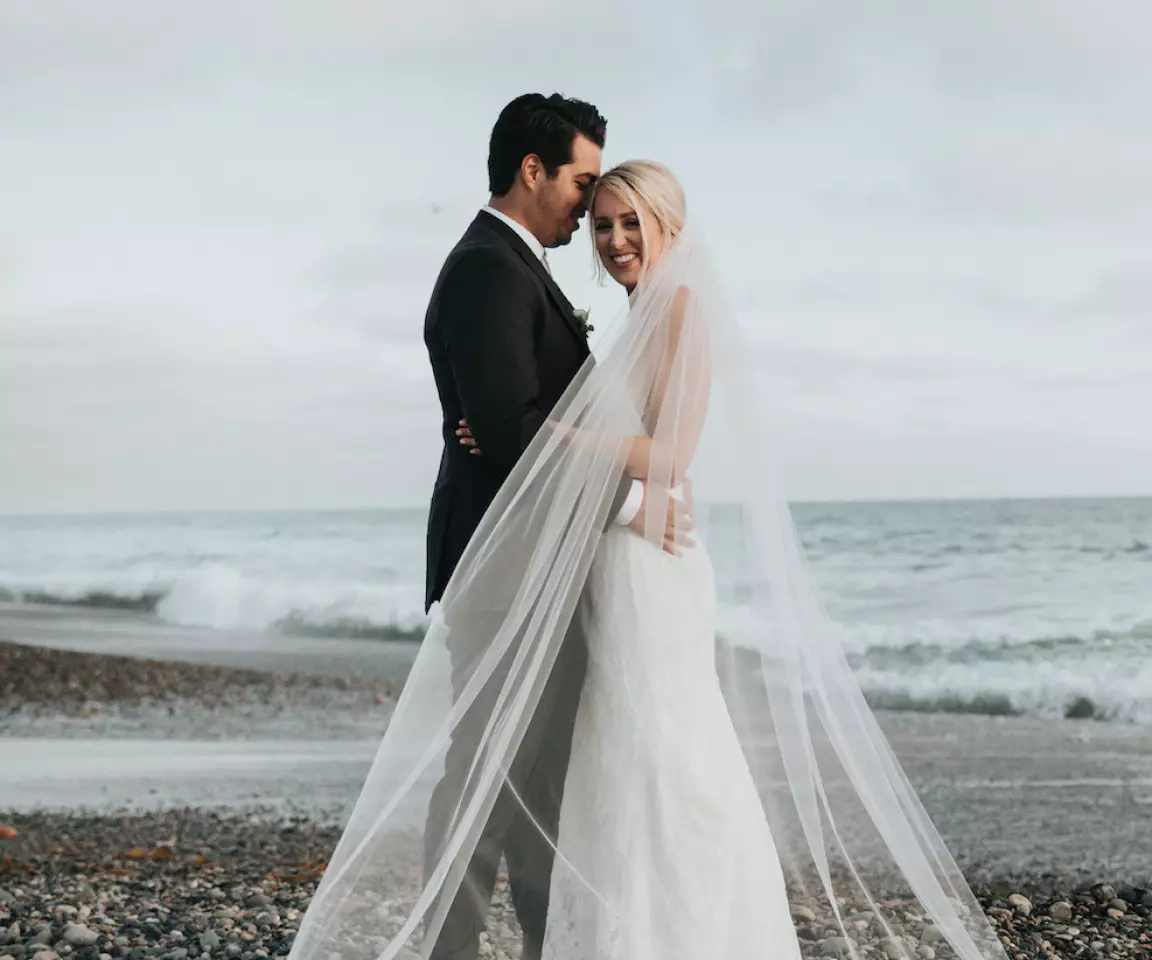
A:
(540, 125)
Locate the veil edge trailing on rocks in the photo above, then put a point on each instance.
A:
(855, 841)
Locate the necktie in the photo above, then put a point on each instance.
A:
(544, 260)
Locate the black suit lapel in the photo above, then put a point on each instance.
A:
(508, 235)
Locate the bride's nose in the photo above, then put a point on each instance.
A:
(617, 241)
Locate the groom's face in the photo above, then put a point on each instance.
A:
(563, 199)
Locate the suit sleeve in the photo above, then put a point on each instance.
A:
(487, 318)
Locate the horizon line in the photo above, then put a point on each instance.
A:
(397, 508)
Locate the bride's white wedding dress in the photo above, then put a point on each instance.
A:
(660, 814)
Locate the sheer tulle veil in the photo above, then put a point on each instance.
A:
(857, 846)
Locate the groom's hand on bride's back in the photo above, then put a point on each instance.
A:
(677, 520)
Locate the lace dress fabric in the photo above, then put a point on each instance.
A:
(664, 851)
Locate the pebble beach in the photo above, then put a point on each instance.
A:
(1050, 832)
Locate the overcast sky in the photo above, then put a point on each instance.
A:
(220, 223)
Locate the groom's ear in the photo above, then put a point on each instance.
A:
(531, 170)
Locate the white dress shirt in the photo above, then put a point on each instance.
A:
(521, 231)
(635, 498)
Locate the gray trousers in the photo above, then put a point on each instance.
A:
(537, 774)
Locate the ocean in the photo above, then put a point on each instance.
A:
(1037, 607)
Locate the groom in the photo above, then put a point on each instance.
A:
(505, 343)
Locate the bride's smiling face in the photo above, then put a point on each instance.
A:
(619, 241)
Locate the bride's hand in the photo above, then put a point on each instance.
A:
(686, 486)
(678, 524)
(466, 439)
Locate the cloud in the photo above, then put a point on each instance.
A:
(228, 220)
(1121, 295)
(802, 363)
(880, 291)
(1092, 381)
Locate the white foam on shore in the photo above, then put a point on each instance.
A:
(1117, 689)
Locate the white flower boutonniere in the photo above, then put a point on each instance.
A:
(581, 317)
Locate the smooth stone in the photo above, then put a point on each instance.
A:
(925, 952)
(1118, 904)
(1060, 910)
(79, 935)
(834, 946)
(894, 949)
(931, 934)
(1021, 904)
(1130, 892)
(209, 940)
(802, 914)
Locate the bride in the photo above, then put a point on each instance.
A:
(724, 785)
(664, 849)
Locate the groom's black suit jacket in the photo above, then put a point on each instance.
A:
(504, 346)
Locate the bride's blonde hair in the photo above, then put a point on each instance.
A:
(653, 191)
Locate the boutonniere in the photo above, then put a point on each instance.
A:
(581, 317)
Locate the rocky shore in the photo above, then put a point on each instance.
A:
(193, 884)
(64, 681)
(62, 693)
(1047, 822)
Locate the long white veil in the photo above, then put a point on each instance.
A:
(859, 851)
